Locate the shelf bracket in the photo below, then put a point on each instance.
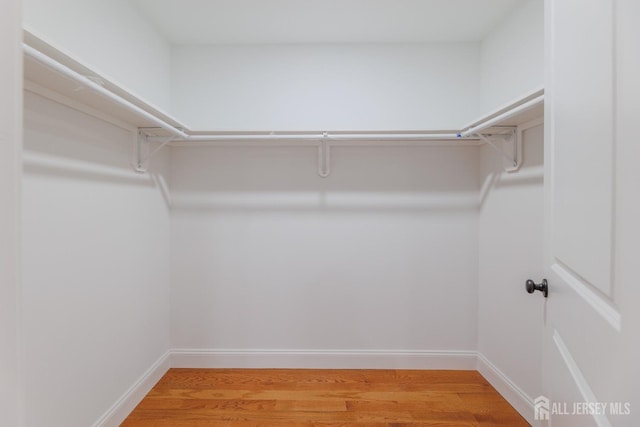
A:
(324, 156)
(139, 147)
(142, 151)
(507, 142)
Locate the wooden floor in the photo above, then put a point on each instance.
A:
(280, 397)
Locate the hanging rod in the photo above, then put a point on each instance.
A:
(333, 136)
(323, 139)
(512, 112)
(510, 144)
(95, 87)
(181, 136)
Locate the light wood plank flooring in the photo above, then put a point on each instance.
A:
(281, 397)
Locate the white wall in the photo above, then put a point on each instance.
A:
(10, 178)
(510, 321)
(513, 57)
(95, 261)
(109, 36)
(326, 87)
(382, 255)
(300, 87)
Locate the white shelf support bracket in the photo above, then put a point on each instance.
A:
(324, 156)
(142, 152)
(508, 143)
(139, 148)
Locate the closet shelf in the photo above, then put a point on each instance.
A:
(525, 108)
(43, 74)
(54, 74)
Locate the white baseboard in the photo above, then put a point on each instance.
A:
(318, 359)
(323, 359)
(522, 402)
(130, 399)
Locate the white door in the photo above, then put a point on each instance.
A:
(590, 349)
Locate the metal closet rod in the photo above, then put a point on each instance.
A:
(90, 84)
(330, 136)
(512, 112)
(179, 135)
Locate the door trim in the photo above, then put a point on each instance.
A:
(600, 305)
(579, 379)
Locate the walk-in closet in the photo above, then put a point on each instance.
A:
(438, 191)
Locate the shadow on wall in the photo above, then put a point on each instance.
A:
(373, 179)
(66, 144)
(380, 255)
(530, 174)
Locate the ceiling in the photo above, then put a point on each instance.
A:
(324, 21)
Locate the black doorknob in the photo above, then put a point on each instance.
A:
(542, 287)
